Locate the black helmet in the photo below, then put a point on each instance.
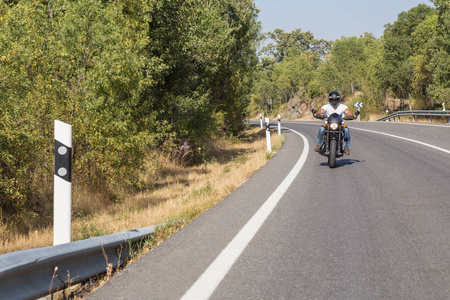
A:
(334, 98)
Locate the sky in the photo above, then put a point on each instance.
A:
(332, 19)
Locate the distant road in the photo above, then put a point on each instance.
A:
(375, 227)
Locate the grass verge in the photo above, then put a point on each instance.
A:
(180, 194)
(175, 192)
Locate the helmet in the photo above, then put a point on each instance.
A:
(334, 98)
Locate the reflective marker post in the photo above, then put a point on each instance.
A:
(359, 105)
(279, 125)
(62, 201)
(260, 120)
(269, 146)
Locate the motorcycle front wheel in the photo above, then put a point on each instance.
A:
(332, 156)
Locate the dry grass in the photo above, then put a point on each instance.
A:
(175, 192)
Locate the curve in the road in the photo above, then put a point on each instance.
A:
(210, 279)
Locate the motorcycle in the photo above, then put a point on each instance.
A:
(333, 138)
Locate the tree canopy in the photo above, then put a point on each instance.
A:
(411, 61)
(130, 76)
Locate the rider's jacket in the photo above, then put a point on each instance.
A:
(329, 109)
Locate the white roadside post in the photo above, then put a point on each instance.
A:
(279, 125)
(269, 146)
(260, 121)
(62, 201)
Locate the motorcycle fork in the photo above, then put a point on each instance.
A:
(327, 142)
(339, 141)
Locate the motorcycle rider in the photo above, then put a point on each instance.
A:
(334, 107)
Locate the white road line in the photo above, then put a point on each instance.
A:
(420, 124)
(406, 139)
(205, 286)
(310, 122)
(390, 135)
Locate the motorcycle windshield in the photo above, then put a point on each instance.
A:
(335, 118)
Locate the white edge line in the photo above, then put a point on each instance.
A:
(391, 135)
(443, 125)
(205, 286)
(406, 139)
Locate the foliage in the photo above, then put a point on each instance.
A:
(397, 65)
(304, 42)
(411, 61)
(288, 68)
(440, 57)
(128, 75)
(348, 55)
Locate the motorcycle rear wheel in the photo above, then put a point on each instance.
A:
(332, 156)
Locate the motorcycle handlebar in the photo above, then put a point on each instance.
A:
(319, 117)
(344, 118)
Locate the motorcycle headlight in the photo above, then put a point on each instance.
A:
(334, 126)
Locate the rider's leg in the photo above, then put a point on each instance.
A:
(319, 136)
(346, 137)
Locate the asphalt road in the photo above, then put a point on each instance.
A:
(375, 227)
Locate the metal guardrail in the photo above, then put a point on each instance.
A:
(34, 273)
(414, 113)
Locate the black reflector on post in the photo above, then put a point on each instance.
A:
(63, 161)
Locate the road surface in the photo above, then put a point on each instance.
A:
(375, 227)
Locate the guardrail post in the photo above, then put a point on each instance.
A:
(279, 125)
(62, 187)
(431, 119)
(414, 119)
(269, 146)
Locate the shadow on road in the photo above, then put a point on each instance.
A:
(342, 162)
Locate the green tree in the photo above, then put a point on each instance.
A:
(329, 77)
(348, 56)
(439, 89)
(370, 85)
(238, 62)
(293, 74)
(128, 75)
(285, 42)
(212, 47)
(26, 91)
(396, 71)
(425, 41)
(264, 90)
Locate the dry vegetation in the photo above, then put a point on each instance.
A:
(175, 191)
